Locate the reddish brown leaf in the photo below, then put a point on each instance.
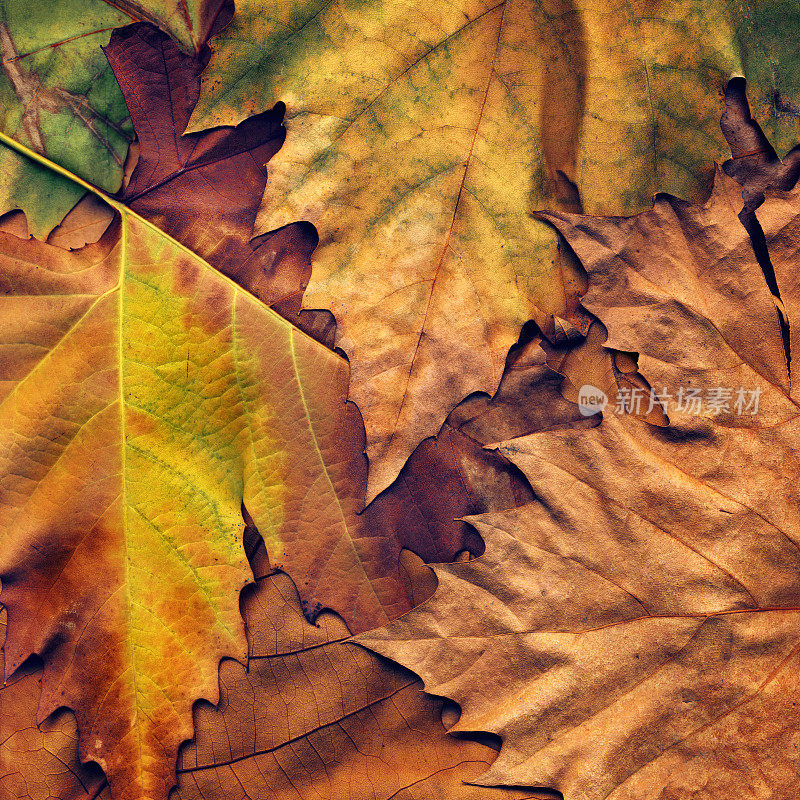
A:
(205, 188)
(452, 475)
(754, 163)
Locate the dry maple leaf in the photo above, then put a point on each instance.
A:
(589, 363)
(635, 633)
(313, 717)
(202, 189)
(452, 475)
(422, 133)
(39, 762)
(145, 397)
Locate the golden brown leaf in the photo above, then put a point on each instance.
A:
(635, 633)
(144, 397)
(314, 717)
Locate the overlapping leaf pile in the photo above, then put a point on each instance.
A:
(635, 632)
(447, 124)
(173, 407)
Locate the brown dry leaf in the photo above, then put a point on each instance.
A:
(16, 223)
(635, 633)
(84, 224)
(451, 475)
(528, 399)
(313, 717)
(589, 364)
(39, 762)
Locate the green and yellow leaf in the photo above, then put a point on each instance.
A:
(59, 96)
(768, 31)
